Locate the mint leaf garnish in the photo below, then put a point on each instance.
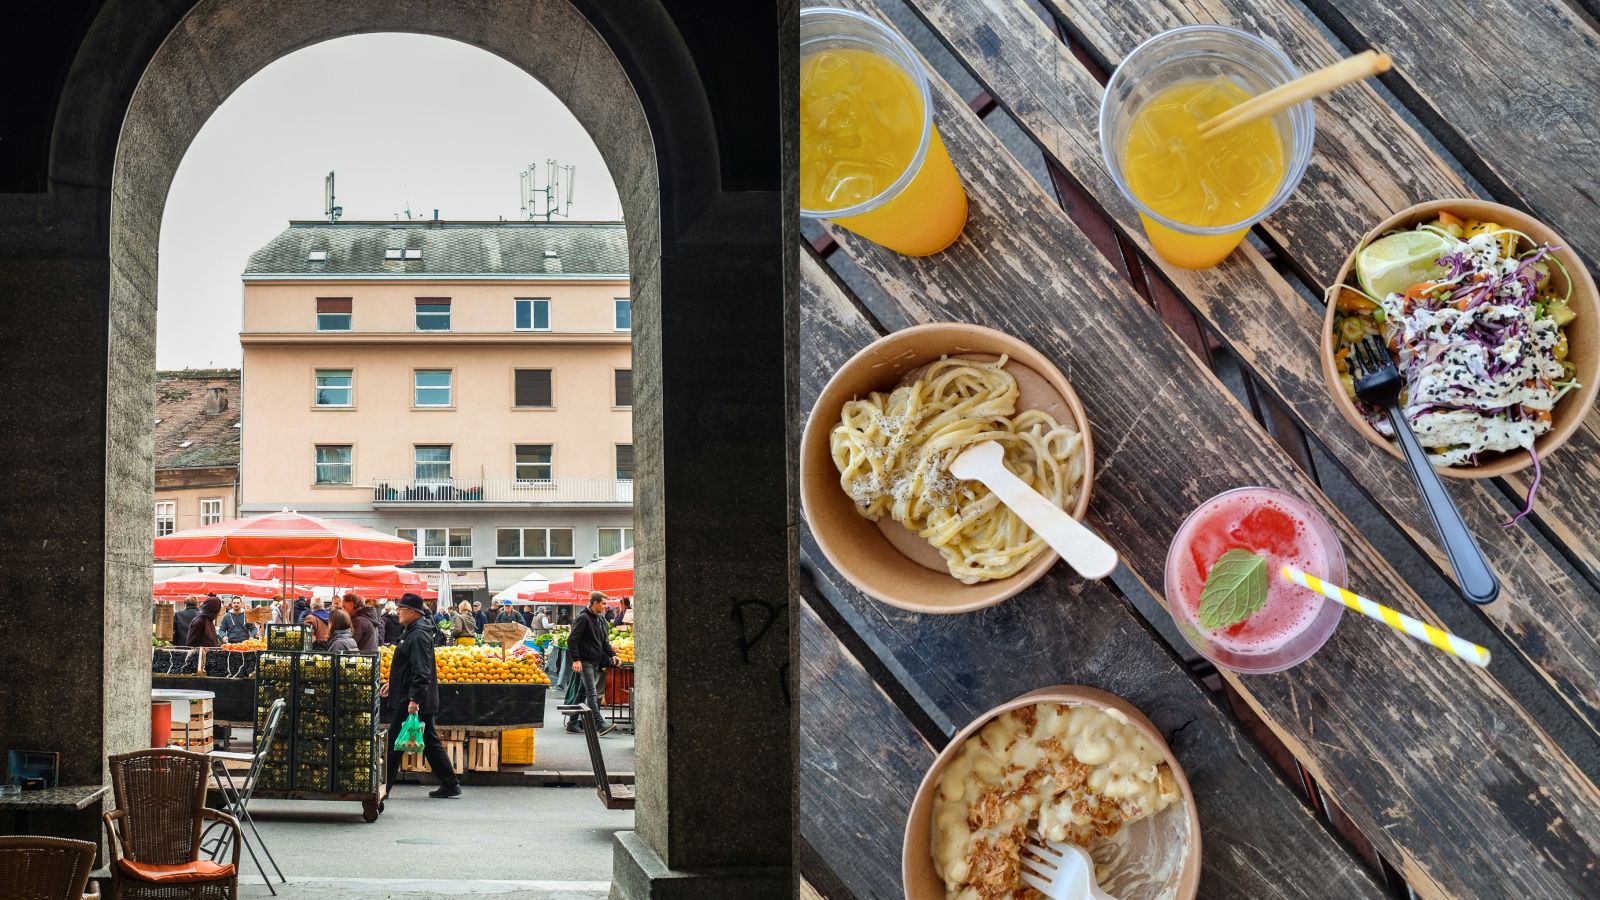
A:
(1235, 590)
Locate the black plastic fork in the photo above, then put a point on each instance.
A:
(1378, 382)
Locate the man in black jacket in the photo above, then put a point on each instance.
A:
(415, 688)
(181, 621)
(590, 646)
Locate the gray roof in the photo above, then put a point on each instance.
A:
(448, 248)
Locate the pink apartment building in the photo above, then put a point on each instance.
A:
(467, 385)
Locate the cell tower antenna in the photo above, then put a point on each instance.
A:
(329, 208)
(554, 198)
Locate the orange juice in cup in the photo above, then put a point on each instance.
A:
(870, 157)
(1198, 196)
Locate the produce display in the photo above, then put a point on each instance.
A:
(624, 648)
(478, 665)
(255, 643)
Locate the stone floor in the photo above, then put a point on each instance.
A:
(537, 842)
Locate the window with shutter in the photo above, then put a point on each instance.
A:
(532, 388)
(624, 392)
(333, 313)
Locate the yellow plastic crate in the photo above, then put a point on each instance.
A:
(516, 747)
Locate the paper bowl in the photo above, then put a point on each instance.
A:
(1583, 335)
(1158, 856)
(886, 560)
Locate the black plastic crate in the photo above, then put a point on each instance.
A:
(287, 637)
(314, 695)
(358, 779)
(313, 777)
(315, 666)
(313, 722)
(359, 750)
(276, 666)
(274, 776)
(318, 751)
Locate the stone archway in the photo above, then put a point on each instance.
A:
(123, 126)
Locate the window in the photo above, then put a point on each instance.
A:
(393, 253)
(433, 313)
(533, 314)
(624, 314)
(432, 462)
(532, 388)
(533, 463)
(615, 540)
(541, 544)
(624, 388)
(211, 511)
(624, 462)
(166, 517)
(432, 387)
(333, 464)
(439, 543)
(335, 387)
(333, 313)
(413, 253)
(316, 256)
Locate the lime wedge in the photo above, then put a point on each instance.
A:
(1391, 264)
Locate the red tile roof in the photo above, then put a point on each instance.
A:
(181, 416)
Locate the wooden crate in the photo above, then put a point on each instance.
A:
(417, 762)
(164, 614)
(483, 754)
(452, 734)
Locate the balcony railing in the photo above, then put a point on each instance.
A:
(501, 490)
(440, 551)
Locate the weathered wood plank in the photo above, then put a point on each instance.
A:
(1368, 163)
(1260, 839)
(1411, 766)
(1507, 85)
(1274, 333)
(860, 764)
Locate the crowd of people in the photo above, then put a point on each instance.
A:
(368, 623)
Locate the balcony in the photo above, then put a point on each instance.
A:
(507, 492)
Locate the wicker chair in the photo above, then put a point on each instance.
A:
(153, 836)
(44, 868)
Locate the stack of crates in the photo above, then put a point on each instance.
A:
(313, 721)
(356, 745)
(275, 680)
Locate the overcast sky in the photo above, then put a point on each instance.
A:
(400, 118)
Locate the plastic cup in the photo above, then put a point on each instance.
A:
(924, 210)
(1193, 53)
(1299, 646)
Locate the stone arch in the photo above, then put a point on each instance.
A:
(145, 79)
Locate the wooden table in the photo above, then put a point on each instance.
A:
(1378, 765)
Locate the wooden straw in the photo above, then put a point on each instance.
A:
(1311, 84)
(1399, 621)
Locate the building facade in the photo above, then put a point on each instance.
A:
(197, 431)
(464, 385)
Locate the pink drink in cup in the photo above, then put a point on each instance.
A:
(1286, 531)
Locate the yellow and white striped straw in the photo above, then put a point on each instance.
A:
(1395, 619)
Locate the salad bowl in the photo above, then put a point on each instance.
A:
(1583, 335)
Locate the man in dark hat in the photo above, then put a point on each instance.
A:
(415, 688)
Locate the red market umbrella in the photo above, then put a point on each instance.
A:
(180, 586)
(290, 539)
(287, 538)
(560, 592)
(612, 576)
(375, 581)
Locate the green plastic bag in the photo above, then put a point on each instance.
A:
(409, 740)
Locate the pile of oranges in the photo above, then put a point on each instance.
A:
(252, 644)
(478, 665)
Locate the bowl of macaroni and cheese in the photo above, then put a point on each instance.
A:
(874, 459)
(1072, 764)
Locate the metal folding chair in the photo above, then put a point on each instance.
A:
(612, 796)
(236, 795)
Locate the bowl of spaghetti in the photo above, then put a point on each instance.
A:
(874, 484)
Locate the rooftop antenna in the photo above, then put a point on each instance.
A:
(555, 197)
(329, 208)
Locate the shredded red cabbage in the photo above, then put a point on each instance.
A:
(1527, 506)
